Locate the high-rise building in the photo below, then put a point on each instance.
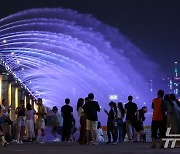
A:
(176, 80)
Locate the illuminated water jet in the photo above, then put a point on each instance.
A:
(60, 53)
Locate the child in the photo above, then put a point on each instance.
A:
(58, 123)
(100, 137)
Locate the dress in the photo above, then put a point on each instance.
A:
(174, 119)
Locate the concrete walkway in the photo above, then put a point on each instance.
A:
(75, 148)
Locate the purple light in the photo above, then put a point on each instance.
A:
(67, 54)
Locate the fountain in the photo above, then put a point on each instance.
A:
(60, 53)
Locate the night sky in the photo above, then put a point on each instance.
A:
(152, 25)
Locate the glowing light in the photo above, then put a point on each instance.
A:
(25, 100)
(22, 68)
(113, 97)
(63, 56)
(35, 107)
(30, 101)
(16, 97)
(4, 41)
(9, 97)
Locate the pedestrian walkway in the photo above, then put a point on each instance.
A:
(75, 148)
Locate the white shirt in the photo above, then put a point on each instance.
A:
(119, 114)
(4, 111)
(100, 137)
(80, 112)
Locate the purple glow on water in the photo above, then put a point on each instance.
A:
(60, 53)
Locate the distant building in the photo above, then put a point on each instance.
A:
(175, 83)
(168, 84)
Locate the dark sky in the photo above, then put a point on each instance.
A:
(152, 25)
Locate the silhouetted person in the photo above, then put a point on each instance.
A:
(139, 127)
(159, 109)
(119, 117)
(67, 113)
(21, 123)
(91, 108)
(174, 114)
(82, 116)
(132, 115)
(111, 123)
(58, 124)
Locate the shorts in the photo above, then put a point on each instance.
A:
(158, 125)
(6, 120)
(91, 125)
(40, 124)
(57, 129)
(21, 121)
(138, 126)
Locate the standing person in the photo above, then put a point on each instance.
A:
(5, 117)
(174, 116)
(111, 123)
(81, 114)
(21, 122)
(120, 116)
(30, 122)
(159, 109)
(91, 108)
(67, 113)
(40, 122)
(58, 124)
(115, 123)
(3, 141)
(132, 115)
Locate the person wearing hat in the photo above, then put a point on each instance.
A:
(58, 124)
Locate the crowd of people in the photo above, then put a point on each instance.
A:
(120, 121)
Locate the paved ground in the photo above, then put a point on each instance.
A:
(75, 148)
